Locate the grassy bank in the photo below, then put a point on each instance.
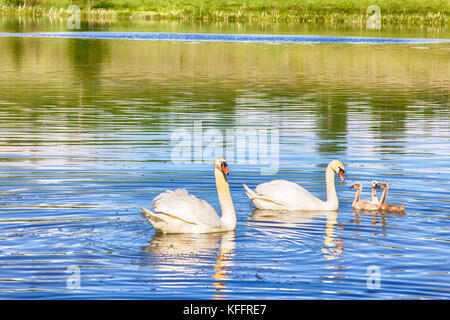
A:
(335, 11)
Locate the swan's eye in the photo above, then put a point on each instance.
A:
(341, 170)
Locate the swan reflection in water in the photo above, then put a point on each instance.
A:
(189, 253)
(333, 246)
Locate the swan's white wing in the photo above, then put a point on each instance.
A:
(179, 204)
(288, 194)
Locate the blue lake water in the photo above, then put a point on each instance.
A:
(89, 123)
(265, 38)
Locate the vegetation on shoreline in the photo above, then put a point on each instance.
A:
(334, 11)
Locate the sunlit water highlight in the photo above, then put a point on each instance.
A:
(85, 142)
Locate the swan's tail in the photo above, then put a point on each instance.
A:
(262, 202)
(250, 193)
(151, 217)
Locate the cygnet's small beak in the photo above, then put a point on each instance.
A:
(352, 187)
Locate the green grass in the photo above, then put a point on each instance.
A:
(339, 11)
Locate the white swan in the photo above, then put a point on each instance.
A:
(286, 195)
(180, 212)
(368, 205)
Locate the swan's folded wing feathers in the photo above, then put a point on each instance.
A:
(182, 205)
(169, 194)
(286, 193)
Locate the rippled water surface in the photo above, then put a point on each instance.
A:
(88, 130)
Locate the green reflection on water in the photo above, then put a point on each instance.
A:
(155, 84)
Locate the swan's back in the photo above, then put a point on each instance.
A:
(288, 194)
(179, 204)
(273, 187)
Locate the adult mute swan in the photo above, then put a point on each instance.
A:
(383, 206)
(180, 212)
(286, 195)
(359, 204)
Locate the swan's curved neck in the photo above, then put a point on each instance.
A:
(332, 200)
(374, 195)
(357, 196)
(226, 203)
(384, 195)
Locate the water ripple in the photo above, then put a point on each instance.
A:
(85, 142)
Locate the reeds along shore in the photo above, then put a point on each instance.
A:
(426, 12)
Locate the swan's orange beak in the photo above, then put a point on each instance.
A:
(225, 168)
(341, 175)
